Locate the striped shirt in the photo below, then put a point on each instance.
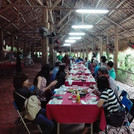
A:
(111, 103)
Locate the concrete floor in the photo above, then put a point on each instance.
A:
(8, 113)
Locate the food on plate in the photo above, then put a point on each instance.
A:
(70, 90)
(84, 91)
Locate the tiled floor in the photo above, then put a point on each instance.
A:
(8, 114)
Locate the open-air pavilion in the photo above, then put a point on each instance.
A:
(40, 28)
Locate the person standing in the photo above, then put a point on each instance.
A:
(66, 60)
(18, 63)
(59, 57)
(110, 66)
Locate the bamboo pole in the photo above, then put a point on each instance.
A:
(1, 43)
(101, 52)
(45, 40)
(107, 49)
(12, 45)
(116, 49)
(51, 56)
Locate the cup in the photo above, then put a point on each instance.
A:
(93, 99)
(74, 96)
(87, 99)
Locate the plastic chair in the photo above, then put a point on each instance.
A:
(127, 104)
(23, 121)
(20, 116)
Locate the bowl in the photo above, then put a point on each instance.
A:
(93, 99)
(82, 94)
(83, 80)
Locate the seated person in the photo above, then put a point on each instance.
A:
(61, 76)
(108, 99)
(96, 68)
(21, 83)
(103, 71)
(42, 82)
(55, 70)
(103, 61)
(110, 66)
(78, 60)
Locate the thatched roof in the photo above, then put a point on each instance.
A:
(22, 18)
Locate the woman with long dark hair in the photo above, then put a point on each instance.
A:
(21, 83)
(61, 76)
(42, 82)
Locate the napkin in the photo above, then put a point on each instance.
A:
(70, 82)
(60, 91)
(93, 102)
(55, 101)
(83, 102)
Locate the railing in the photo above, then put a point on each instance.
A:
(125, 77)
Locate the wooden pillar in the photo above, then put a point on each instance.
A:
(70, 50)
(107, 49)
(32, 50)
(1, 43)
(101, 51)
(83, 53)
(74, 52)
(36, 50)
(18, 44)
(87, 51)
(51, 48)
(55, 56)
(12, 43)
(45, 40)
(80, 53)
(116, 49)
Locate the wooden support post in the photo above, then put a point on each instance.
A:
(36, 50)
(55, 56)
(51, 48)
(101, 51)
(80, 53)
(18, 44)
(70, 50)
(45, 40)
(87, 51)
(12, 41)
(83, 53)
(74, 52)
(116, 49)
(107, 49)
(32, 50)
(1, 43)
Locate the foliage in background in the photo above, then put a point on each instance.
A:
(126, 62)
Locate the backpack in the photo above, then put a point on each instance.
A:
(32, 106)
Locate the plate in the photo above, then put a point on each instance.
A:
(70, 90)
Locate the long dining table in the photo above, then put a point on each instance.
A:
(73, 112)
(68, 111)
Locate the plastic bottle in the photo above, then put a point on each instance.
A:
(78, 97)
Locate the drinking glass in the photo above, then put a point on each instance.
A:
(87, 98)
(74, 96)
